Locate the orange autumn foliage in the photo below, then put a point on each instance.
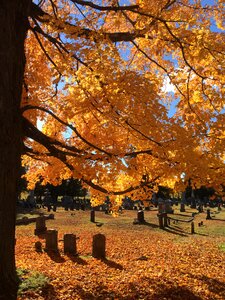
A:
(142, 262)
(101, 78)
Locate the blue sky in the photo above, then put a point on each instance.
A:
(168, 87)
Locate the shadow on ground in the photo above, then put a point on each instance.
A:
(56, 256)
(112, 264)
(76, 259)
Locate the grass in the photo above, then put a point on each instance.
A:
(222, 247)
(30, 280)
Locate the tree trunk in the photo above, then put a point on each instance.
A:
(13, 28)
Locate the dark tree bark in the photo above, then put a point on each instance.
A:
(13, 29)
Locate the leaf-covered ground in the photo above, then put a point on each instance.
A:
(142, 262)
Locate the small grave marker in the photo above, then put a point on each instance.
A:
(140, 216)
(38, 246)
(182, 207)
(192, 227)
(208, 216)
(51, 240)
(92, 215)
(40, 226)
(70, 244)
(98, 246)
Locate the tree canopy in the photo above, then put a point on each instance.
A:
(99, 82)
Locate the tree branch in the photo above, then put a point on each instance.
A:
(105, 8)
(73, 128)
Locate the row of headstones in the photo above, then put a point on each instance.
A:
(66, 207)
(70, 246)
(199, 208)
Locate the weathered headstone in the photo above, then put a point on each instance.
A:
(70, 245)
(161, 206)
(182, 207)
(200, 208)
(98, 246)
(208, 216)
(92, 215)
(51, 240)
(38, 246)
(140, 216)
(168, 208)
(51, 217)
(40, 225)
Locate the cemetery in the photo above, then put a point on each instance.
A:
(112, 165)
(156, 253)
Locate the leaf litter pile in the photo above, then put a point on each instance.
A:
(143, 262)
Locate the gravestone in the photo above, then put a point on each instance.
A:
(193, 202)
(98, 246)
(168, 208)
(200, 208)
(51, 217)
(192, 227)
(182, 207)
(140, 216)
(51, 240)
(40, 225)
(38, 246)
(92, 215)
(161, 206)
(208, 216)
(70, 244)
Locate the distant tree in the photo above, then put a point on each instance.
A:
(164, 192)
(203, 192)
(71, 187)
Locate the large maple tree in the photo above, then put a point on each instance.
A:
(96, 77)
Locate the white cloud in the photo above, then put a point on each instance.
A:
(168, 87)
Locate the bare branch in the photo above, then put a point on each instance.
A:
(105, 8)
